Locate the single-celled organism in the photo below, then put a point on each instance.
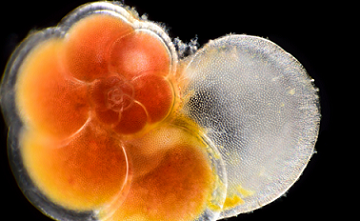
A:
(106, 122)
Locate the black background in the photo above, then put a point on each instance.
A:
(308, 31)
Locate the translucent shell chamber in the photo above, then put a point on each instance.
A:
(107, 123)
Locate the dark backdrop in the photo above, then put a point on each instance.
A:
(305, 30)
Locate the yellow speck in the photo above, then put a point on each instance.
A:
(291, 91)
(244, 192)
(222, 188)
(232, 201)
(213, 206)
(261, 172)
(217, 155)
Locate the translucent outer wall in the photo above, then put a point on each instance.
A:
(260, 108)
(107, 123)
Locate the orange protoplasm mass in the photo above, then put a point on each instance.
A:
(81, 173)
(48, 99)
(94, 88)
(110, 119)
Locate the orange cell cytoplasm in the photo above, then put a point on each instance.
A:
(46, 98)
(155, 93)
(111, 96)
(115, 105)
(82, 173)
(88, 45)
(138, 53)
(146, 152)
(132, 120)
(129, 105)
(102, 48)
(101, 81)
(177, 189)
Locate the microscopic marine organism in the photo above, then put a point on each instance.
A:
(108, 122)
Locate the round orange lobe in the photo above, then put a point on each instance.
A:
(132, 120)
(139, 52)
(46, 97)
(82, 173)
(176, 189)
(155, 93)
(87, 49)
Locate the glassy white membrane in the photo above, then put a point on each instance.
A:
(247, 110)
(258, 105)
